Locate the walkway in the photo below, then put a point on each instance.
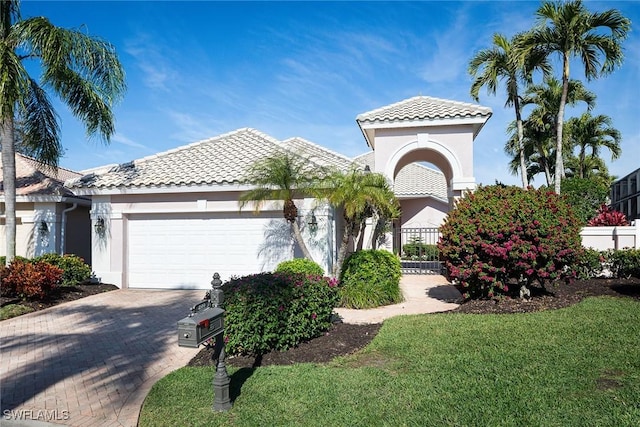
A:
(422, 294)
(91, 362)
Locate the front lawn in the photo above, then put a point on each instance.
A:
(576, 366)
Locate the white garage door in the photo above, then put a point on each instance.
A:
(183, 251)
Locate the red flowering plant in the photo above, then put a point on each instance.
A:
(500, 238)
(607, 217)
(276, 311)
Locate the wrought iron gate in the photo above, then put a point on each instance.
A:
(418, 250)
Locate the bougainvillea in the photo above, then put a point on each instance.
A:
(500, 237)
(607, 217)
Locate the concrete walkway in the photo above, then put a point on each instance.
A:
(422, 294)
(91, 362)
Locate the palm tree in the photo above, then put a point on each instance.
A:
(282, 176)
(593, 132)
(504, 62)
(361, 195)
(570, 30)
(83, 71)
(540, 125)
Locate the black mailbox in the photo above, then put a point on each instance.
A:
(198, 327)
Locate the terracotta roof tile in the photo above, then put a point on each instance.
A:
(35, 178)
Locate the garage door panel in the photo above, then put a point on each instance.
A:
(173, 251)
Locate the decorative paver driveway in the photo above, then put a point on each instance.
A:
(91, 362)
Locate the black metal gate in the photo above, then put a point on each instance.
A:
(418, 250)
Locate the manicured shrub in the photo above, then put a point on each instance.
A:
(499, 236)
(30, 279)
(416, 249)
(300, 266)
(607, 217)
(274, 311)
(592, 263)
(626, 263)
(74, 267)
(370, 278)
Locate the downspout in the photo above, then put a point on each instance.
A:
(63, 226)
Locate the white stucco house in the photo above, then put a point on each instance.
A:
(49, 216)
(172, 219)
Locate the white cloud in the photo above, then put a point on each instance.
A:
(151, 59)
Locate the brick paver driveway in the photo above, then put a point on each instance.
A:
(91, 362)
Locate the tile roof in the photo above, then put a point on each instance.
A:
(34, 178)
(317, 154)
(424, 108)
(413, 180)
(218, 160)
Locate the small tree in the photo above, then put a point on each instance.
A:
(585, 195)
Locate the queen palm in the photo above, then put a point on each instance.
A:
(504, 62)
(283, 177)
(568, 29)
(83, 71)
(594, 132)
(360, 195)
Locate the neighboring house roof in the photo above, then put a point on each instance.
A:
(414, 180)
(424, 108)
(36, 179)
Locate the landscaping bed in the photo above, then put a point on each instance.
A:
(343, 339)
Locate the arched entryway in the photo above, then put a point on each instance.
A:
(419, 130)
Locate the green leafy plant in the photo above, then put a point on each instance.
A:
(370, 278)
(416, 249)
(591, 263)
(274, 311)
(626, 263)
(300, 266)
(74, 267)
(585, 195)
(499, 237)
(30, 279)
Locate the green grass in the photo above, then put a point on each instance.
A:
(578, 366)
(13, 310)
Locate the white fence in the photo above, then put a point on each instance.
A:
(603, 238)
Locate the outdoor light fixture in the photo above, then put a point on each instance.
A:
(99, 227)
(367, 169)
(43, 229)
(313, 223)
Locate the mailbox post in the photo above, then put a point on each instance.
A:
(221, 381)
(205, 322)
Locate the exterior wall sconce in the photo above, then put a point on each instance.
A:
(367, 169)
(99, 227)
(43, 229)
(313, 223)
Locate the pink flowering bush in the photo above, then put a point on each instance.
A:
(500, 237)
(276, 311)
(607, 217)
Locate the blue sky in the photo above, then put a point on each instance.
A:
(199, 69)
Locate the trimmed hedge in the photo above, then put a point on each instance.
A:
(300, 266)
(275, 311)
(370, 278)
(74, 268)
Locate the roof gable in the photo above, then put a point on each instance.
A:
(34, 178)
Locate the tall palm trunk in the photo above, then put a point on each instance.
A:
(9, 183)
(300, 241)
(581, 165)
(342, 252)
(559, 172)
(523, 165)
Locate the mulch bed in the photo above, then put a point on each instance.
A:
(343, 339)
(62, 294)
